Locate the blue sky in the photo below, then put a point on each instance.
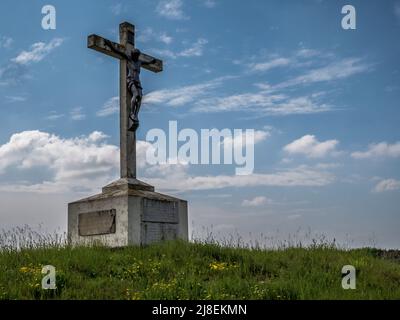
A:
(324, 102)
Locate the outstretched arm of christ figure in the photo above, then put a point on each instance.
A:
(144, 63)
(110, 45)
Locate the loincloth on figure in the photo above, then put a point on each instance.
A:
(134, 86)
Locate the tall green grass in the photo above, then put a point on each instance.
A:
(200, 270)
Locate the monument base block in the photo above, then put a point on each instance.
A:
(127, 212)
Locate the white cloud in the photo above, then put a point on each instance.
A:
(387, 185)
(149, 34)
(334, 71)
(269, 100)
(38, 52)
(77, 114)
(209, 3)
(255, 202)
(13, 74)
(259, 136)
(309, 146)
(263, 102)
(77, 163)
(379, 150)
(300, 176)
(164, 53)
(171, 9)
(12, 99)
(164, 37)
(196, 50)
(97, 136)
(237, 102)
(54, 115)
(265, 66)
(86, 163)
(181, 96)
(110, 107)
(307, 53)
(298, 105)
(5, 42)
(264, 86)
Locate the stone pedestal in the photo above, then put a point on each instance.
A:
(127, 212)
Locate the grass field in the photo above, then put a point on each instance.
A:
(179, 270)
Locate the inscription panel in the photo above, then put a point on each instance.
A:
(97, 222)
(156, 232)
(160, 211)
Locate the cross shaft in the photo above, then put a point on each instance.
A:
(126, 46)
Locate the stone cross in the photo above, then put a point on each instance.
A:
(127, 211)
(126, 45)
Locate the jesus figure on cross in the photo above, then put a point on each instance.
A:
(131, 61)
(134, 65)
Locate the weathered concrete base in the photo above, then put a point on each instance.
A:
(127, 212)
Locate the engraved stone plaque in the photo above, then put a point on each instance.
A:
(97, 222)
(160, 211)
(156, 232)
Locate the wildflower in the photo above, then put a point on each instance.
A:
(218, 266)
(24, 269)
(136, 296)
(133, 295)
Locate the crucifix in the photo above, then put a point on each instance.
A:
(130, 96)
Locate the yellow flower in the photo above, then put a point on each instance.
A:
(24, 269)
(135, 295)
(218, 266)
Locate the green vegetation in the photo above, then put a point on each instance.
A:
(179, 270)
